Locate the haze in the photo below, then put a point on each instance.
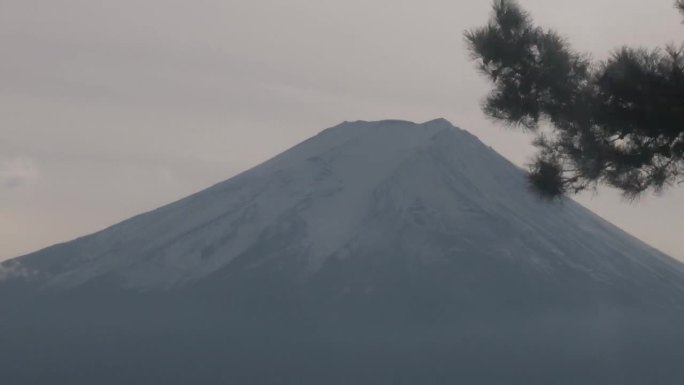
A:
(113, 108)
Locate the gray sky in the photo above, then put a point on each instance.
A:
(111, 108)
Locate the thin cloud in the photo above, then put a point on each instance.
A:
(13, 270)
(17, 172)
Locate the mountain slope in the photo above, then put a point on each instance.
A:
(374, 252)
(432, 178)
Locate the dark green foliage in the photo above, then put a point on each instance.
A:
(618, 122)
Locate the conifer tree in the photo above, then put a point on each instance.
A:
(618, 122)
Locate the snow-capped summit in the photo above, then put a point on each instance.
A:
(431, 190)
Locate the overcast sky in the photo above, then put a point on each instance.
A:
(112, 108)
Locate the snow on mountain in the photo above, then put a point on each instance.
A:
(347, 188)
(373, 253)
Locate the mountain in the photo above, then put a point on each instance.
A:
(373, 253)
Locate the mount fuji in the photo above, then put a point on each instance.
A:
(382, 252)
